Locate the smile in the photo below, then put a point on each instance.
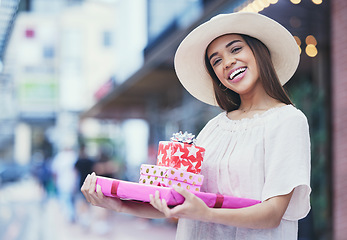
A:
(237, 72)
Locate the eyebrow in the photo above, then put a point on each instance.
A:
(226, 46)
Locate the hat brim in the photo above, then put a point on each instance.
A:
(189, 58)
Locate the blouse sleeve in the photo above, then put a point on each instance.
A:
(287, 163)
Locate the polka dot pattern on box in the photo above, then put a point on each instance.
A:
(169, 177)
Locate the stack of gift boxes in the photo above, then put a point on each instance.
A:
(178, 164)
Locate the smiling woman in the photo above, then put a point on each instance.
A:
(246, 60)
(258, 147)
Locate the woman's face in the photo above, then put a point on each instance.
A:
(234, 64)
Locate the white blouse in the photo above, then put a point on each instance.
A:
(260, 157)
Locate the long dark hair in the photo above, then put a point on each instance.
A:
(229, 100)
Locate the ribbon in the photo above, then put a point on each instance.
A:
(183, 137)
(114, 187)
(219, 201)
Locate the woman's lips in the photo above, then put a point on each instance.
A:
(237, 74)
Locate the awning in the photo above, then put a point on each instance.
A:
(155, 81)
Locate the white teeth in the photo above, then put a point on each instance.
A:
(233, 74)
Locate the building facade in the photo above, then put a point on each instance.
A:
(339, 117)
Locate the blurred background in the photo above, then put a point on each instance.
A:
(89, 85)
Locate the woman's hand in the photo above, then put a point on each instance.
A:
(192, 208)
(97, 198)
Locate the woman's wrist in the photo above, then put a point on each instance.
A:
(120, 206)
(209, 216)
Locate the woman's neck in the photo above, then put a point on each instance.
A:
(261, 105)
(257, 101)
(254, 104)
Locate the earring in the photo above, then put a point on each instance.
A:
(225, 88)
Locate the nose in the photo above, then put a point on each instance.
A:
(229, 61)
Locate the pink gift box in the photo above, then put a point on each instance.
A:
(165, 182)
(140, 192)
(167, 176)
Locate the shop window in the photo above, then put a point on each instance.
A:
(107, 39)
(48, 52)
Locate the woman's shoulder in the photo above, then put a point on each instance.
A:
(288, 117)
(273, 118)
(289, 112)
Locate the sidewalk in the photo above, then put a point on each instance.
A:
(25, 216)
(119, 226)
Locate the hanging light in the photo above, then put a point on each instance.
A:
(311, 50)
(251, 8)
(295, 22)
(295, 1)
(317, 1)
(298, 41)
(264, 3)
(310, 39)
(258, 5)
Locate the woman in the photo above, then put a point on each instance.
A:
(258, 147)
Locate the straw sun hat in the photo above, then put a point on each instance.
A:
(189, 58)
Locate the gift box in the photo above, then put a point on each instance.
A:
(168, 176)
(140, 192)
(185, 156)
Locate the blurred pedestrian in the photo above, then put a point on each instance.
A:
(41, 161)
(63, 168)
(104, 165)
(83, 166)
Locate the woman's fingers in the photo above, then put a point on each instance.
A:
(88, 189)
(158, 203)
(85, 187)
(183, 192)
(161, 205)
(99, 192)
(94, 195)
(155, 200)
(92, 184)
(166, 210)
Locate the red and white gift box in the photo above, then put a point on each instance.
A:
(168, 177)
(180, 155)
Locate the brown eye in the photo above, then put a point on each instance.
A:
(236, 49)
(215, 62)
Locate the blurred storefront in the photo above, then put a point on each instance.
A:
(57, 54)
(154, 93)
(8, 11)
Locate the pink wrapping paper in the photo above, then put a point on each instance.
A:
(167, 176)
(180, 156)
(140, 192)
